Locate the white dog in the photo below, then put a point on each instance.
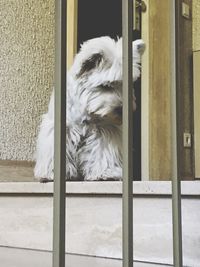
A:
(94, 114)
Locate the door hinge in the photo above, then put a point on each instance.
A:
(187, 140)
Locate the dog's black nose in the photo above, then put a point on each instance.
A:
(118, 110)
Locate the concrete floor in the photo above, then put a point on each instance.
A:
(13, 257)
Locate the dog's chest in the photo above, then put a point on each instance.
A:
(95, 137)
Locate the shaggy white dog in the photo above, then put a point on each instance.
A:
(94, 114)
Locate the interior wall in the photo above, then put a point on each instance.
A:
(196, 25)
(26, 73)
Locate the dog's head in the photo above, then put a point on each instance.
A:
(97, 70)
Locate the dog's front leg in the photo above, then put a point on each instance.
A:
(100, 159)
(43, 170)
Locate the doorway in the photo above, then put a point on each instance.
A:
(100, 18)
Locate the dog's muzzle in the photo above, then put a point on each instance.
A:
(116, 115)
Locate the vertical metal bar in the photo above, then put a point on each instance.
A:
(127, 26)
(176, 181)
(59, 137)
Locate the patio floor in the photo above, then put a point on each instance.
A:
(14, 257)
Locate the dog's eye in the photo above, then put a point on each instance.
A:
(107, 87)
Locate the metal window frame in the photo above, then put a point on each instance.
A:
(127, 133)
(176, 178)
(59, 207)
(60, 139)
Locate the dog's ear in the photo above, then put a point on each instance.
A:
(90, 63)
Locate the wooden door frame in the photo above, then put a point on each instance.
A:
(184, 93)
(196, 62)
(156, 92)
(157, 159)
(72, 22)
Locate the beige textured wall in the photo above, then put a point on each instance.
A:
(26, 72)
(196, 25)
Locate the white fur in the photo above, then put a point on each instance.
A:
(94, 92)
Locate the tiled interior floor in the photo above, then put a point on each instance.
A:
(13, 257)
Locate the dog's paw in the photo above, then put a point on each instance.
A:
(45, 180)
(110, 179)
(43, 175)
(108, 175)
(102, 178)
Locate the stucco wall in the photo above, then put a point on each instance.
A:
(26, 72)
(196, 25)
